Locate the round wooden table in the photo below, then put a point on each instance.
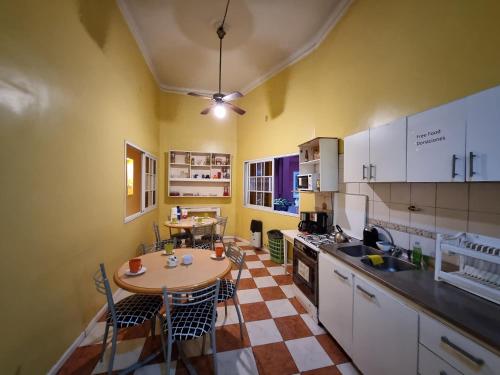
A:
(202, 272)
(189, 223)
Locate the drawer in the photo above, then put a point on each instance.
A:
(459, 351)
(431, 364)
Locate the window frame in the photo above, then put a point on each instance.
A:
(153, 184)
(246, 183)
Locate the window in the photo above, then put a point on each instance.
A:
(141, 182)
(270, 184)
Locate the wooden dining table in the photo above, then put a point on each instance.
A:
(202, 272)
(190, 222)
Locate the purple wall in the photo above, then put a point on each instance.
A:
(283, 176)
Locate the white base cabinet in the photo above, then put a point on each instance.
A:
(336, 299)
(385, 332)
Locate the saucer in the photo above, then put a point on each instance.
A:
(140, 272)
(213, 256)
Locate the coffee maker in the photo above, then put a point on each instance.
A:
(314, 222)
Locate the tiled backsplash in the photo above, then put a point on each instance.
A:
(442, 208)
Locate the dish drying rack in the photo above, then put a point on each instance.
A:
(479, 267)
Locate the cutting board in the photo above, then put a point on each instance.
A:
(350, 211)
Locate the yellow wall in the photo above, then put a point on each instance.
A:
(73, 87)
(384, 59)
(183, 128)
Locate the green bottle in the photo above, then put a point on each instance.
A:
(416, 254)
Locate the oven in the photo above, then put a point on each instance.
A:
(305, 270)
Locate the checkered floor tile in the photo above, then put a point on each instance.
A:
(279, 336)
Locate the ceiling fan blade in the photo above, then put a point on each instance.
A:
(232, 96)
(238, 110)
(199, 95)
(206, 110)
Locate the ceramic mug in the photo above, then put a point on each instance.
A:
(135, 265)
(218, 251)
(172, 261)
(187, 259)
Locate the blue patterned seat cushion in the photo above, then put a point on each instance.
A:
(191, 322)
(135, 310)
(226, 290)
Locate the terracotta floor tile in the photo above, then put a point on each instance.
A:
(247, 284)
(337, 355)
(259, 272)
(103, 317)
(136, 332)
(255, 311)
(236, 267)
(329, 370)
(298, 306)
(274, 359)
(82, 360)
(229, 302)
(292, 327)
(270, 263)
(202, 364)
(251, 258)
(153, 345)
(283, 279)
(246, 247)
(228, 338)
(272, 293)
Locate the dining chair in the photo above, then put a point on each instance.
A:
(229, 288)
(179, 236)
(220, 229)
(203, 237)
(129, 312)
(189, 318)
(159, 243)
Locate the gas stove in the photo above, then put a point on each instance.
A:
(316, 240)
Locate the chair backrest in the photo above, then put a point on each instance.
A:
(156, 229)
(183, 299)
(202, 230)
(102, 286)
(221, 224)
(237, 257)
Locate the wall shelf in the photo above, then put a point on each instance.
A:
(185, 171)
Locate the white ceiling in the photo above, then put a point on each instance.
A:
(180, 46)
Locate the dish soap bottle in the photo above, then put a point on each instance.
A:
(417, 254)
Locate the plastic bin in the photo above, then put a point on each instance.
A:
(275, 238)
(256, 237)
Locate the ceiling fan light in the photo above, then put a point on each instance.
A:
(220, 111)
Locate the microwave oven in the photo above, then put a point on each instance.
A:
(307, 182)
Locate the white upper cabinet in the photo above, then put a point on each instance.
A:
(357, 157)
(483, 136)
(388, 152)
(376, 155)
(436, 144)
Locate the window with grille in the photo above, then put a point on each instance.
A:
(270, 184)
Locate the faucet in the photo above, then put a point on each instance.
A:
(395, 251)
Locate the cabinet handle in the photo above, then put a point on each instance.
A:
(371, 169)
(366, 292)
(340, 275)
(466, 354)
(471, 164)
(364, 174)
(453, 166)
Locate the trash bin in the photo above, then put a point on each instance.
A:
(275, 238)
(256, 229)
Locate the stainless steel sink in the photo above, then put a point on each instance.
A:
(358, 250)
(391, 264)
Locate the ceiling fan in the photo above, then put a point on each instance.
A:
(219, 100)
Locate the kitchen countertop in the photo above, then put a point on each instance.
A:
(477, 316)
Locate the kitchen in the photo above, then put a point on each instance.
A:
(396, 104)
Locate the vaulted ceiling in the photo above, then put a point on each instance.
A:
(179, 42)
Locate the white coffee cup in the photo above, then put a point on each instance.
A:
(187, 259)
(172, 261)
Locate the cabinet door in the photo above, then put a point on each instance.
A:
(356, 157)
(336, 300)
(436, 144)
(385, 332)
(388, 152)
(483, 136)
